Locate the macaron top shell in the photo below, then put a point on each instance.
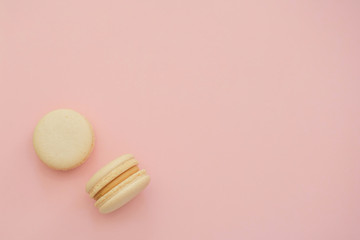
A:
(63, 139)
(109, 172)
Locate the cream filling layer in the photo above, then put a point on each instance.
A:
(111, 176)
(116, 181)
(120, 186)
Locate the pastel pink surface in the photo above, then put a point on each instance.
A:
(246, 115)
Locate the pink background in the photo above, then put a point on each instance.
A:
(245, 113)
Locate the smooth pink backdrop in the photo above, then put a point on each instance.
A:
(245, 113)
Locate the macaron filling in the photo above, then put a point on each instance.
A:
(116, 181)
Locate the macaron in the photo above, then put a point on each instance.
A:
(63, 139)
(117, 183)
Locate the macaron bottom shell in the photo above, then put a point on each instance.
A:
(123, 193)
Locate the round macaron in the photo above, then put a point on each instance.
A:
(63, 139)
(117, 183)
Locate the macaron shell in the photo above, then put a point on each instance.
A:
(123, 193)
(107, 178)
(63, 139)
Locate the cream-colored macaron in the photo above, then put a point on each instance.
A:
(63, 139)
(117, 183)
